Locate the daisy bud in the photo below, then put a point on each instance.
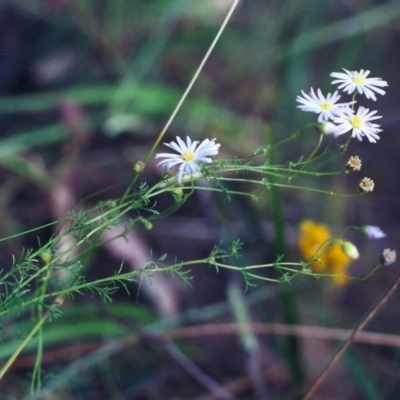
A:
(351, 250)
(139, 166)
(177, 192)
(46, 257)
(373, 232)
(146, 223)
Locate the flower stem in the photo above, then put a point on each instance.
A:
(287, 298)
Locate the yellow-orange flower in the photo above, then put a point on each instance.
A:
(317, 245)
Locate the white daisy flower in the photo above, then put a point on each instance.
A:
(388, 256)
(326, 107)
(359, 123)
(373, 232)
(358, 81)
(190, 155)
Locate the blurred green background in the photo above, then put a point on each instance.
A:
(85, 88)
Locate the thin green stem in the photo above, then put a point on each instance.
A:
(14, 356)
(311, 156)
(36, 381)
(287, 298)
(28, 231)
(77, 244)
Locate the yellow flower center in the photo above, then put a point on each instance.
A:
(358, 80)
(188, 155)
(326, 106)
(356, 122)
(390, 256)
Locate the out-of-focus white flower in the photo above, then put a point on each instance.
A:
(373, 232)
(388, 256)
(326, 107)
(358, 122)
(358, 81)
(190, 154)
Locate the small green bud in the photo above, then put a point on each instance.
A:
(139, 167)
(327, 128)
(146, 223)
(46, 257)
(350, 249)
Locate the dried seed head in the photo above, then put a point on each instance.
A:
(354, 163)
(367, 185)
(139, 166)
